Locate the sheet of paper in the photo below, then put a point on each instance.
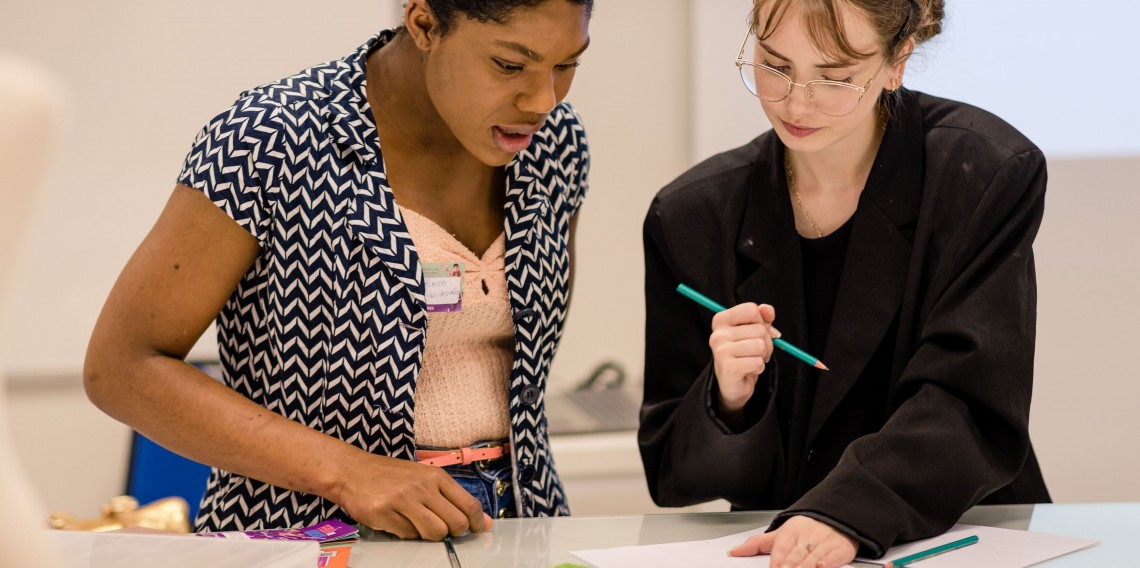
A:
(125, 550)
(705, 553)
(996, 548)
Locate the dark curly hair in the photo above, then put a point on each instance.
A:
(497, 11)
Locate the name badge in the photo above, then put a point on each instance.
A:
(443, 284)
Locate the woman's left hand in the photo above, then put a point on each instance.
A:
(801, 542)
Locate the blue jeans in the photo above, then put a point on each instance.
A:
(490, 483)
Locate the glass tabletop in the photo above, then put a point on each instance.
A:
(547, 542)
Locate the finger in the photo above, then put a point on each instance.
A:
(774, 332)
(743, 332)
(759, 544)
(768, 349)
(427, 523)
(456, 520)
(767, 313)
(744, 348)
(784, 549)
(466, 503)
(747, 368)
(814, 557)
(737, 315)
(834, 558)
(397, 525)
(487, 522)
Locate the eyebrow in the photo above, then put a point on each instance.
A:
(834, 65)
(533, 55)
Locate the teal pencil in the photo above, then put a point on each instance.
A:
(906, 560)
(791, 349)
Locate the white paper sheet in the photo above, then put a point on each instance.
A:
(996, 548)
(125, 550)
(704, 553)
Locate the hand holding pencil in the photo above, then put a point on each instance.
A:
(741, 343)
(742, 340)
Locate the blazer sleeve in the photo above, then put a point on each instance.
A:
(959, 425)
(690, 455)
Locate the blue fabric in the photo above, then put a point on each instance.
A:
(156, 473)
(483, 481)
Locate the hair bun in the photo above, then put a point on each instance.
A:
(931, 23)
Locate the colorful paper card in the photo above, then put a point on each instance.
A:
(329, 531)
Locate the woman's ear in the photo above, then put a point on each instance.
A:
(898, 69)
(421, 23)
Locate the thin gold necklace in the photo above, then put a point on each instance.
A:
(796, 193)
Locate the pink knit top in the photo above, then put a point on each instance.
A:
(461, 392)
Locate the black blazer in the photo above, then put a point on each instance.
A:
(925, 412)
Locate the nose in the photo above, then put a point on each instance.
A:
(539, 96)
(797, 100)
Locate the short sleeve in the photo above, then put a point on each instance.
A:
(232, 162)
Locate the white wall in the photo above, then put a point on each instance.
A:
(1087, 387)
(144, 77)
(724, 114)
(657, 91)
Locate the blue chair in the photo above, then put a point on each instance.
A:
(156, 472)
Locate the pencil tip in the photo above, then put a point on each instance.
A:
(820, 365)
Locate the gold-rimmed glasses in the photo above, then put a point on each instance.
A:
(833, 98)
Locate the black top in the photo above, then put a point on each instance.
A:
(925, 411)
(823, 265)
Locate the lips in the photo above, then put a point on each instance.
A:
(798, 131)
(514, 138)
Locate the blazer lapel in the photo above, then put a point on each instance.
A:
(876, 265)
(374, 219)
(768, 238)
(373, 216)
(525, 205)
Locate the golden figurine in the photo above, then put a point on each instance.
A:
(171, 514)
(68, 522)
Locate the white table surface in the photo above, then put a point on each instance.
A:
(547, 542)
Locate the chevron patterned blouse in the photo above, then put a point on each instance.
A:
(328, 327)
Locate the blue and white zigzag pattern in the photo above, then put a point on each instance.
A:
(328, 326)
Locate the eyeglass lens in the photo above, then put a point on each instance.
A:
(771, 86)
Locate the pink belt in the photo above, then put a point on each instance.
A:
(462, 456)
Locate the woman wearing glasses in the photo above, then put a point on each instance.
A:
(891, 233)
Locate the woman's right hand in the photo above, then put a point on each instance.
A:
(741, 343)
(408, 499)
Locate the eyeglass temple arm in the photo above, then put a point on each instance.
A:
(740, 54)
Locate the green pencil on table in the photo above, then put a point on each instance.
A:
(791, 349)
(907, 560)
